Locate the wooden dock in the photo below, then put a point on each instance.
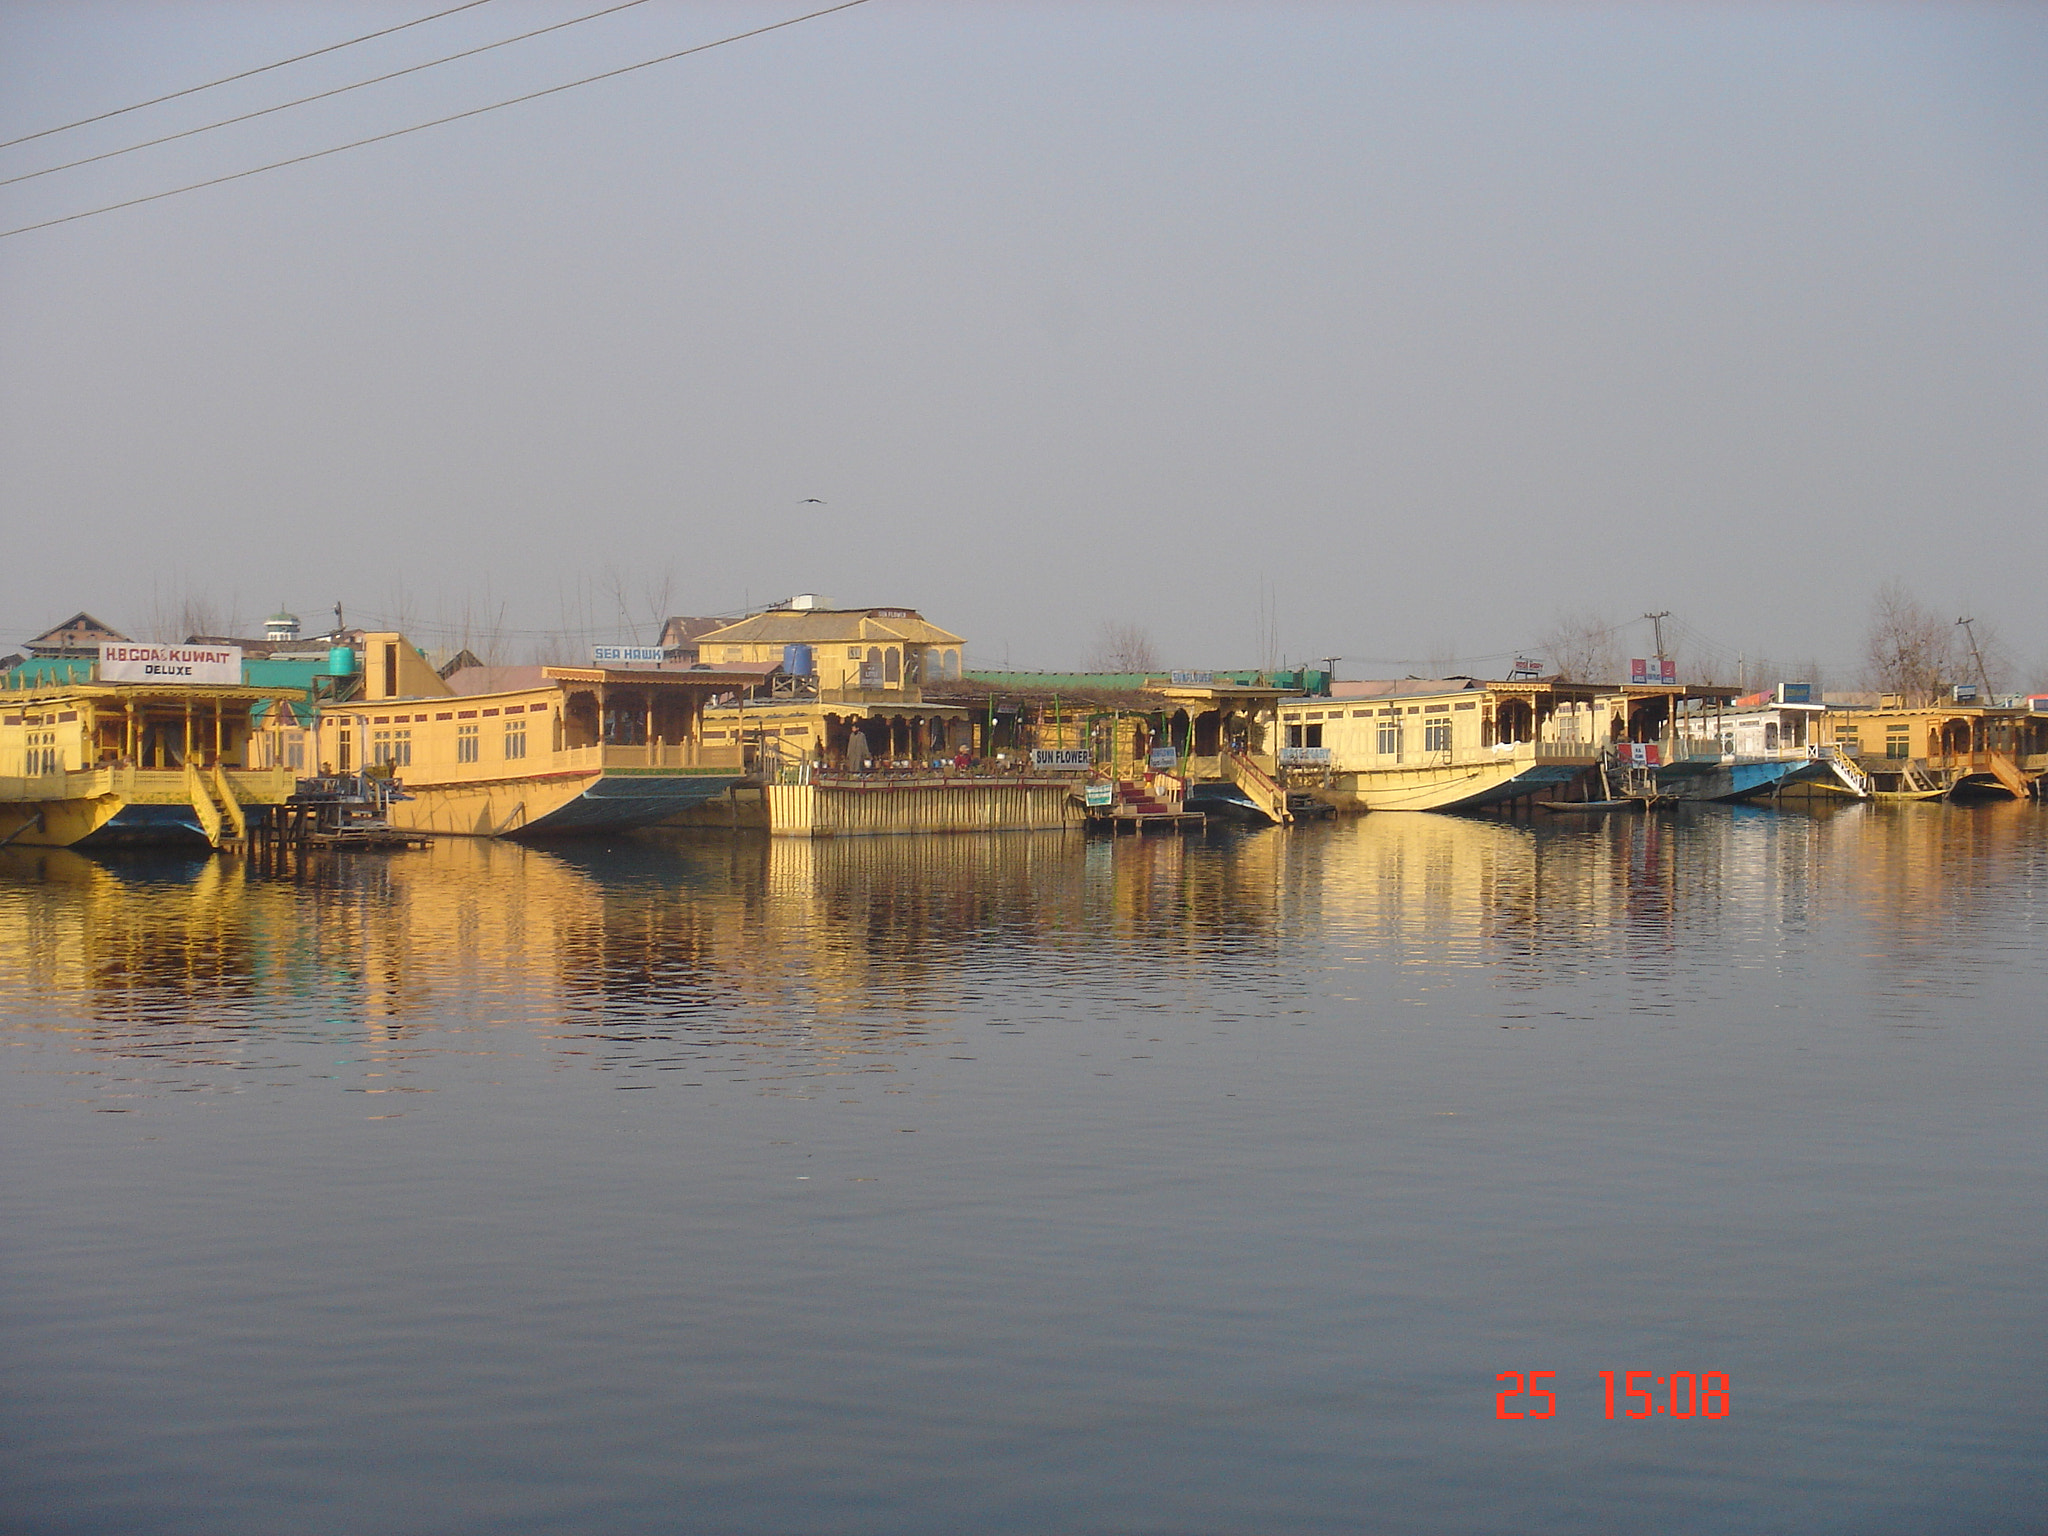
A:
(1134, 810)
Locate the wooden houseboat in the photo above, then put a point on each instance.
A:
(124, 762)
(1445, 744)
(1184, 742)
(533, 751)
(1945, 750)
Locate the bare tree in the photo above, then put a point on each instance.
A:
(1908, 650)
(1581, 648)
(1443, 658)
(1123, 648)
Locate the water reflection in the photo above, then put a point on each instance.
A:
(780, 961)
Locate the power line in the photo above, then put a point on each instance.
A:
(44, 133)
(453, 117)
(339, 90)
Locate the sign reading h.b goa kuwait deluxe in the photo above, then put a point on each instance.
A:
(131, 663)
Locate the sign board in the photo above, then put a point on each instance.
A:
(1795, 693)
(2038, 703)
(1062, 757)
(1655, 670)
(1295, 756)
(129, 662)
(1964, 693)
(1526, 666)
(612, 655)
(1098, 795)
(1640, 754)
(1193, 679)
(871, 674)
(1163, 757)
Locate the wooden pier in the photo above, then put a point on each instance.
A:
(1134, 810)
(341, 812)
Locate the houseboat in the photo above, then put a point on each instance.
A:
(1718, 747)
(1993, 749)
(154, 751)
(534, 751)
(1444, 744)
(1186, 743)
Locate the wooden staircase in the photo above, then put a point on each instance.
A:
(1849, 772)
(1257, 785)
(2006, 769)
(220, 814)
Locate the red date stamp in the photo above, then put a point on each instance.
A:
(1680, 1395)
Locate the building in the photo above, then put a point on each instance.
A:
(79, 637)
(842, 687)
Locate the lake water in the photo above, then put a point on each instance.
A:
(1034, 1184)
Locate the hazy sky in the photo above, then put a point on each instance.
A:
(1395, 330)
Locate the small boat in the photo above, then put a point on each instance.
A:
(1632, 803)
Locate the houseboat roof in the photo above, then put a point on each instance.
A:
(1105, 690)
(169, 692)
(472, 681)
(827, 626)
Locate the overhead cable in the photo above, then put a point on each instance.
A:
(453, 117)
(100, 117)
(339, 90)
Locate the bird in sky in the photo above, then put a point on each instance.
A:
(813, 501)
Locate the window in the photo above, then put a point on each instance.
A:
(1849, 741)
(853, 653)
(1436, 736)
(1390, 738)
(1294, 736)
(342, 754)
(380, 747)
(295, 754)
(401, 749)
(1898, 742)
(1314, 733)
(515, 739)
(465, 743)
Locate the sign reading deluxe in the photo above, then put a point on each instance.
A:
(129, 663)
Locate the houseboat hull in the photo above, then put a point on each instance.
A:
(1735, 778)
(1456, 786)
(126, 808)
(568, 804)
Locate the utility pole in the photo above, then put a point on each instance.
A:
(1983, 676)
(1330, 672)
(1657, 623)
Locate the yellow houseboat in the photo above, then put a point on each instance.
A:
(110, 764)
(1444, 744)
(531, 751)
(1926, 751)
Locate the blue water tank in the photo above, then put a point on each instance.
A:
(341, 661)
(796, 661)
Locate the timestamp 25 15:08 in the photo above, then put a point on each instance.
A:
(1687, 1394)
